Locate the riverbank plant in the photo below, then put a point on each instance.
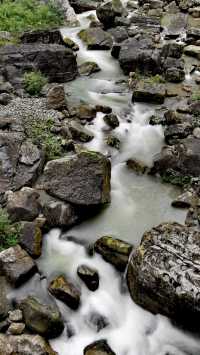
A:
(9, 232)
(22, 15)
(34, 82)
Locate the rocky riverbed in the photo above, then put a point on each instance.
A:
(99, 183)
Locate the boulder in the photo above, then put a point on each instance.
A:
(111, 120)
(23, 205)
(113, 142)
(56, 97)
(81, 5)
(107, 12)
(193, 51)
(114, 251)
(137, 166)
(118, 33)
(31, 238)
(55, 61)
(58, 213)
(24, 344)
(178, 163)
(173, 49)
(163, 273)
(65, 291)
(4, 304)
(99, 347)
(139, 55)
(146, 91)
(96, 38)
(69, 43)
(82, 179)
(42, 319)
(88, 68)
(42, 36)
(17, 265)
(173, 70)
(177, 131)
(187, 199)
(79, 133)
(89, 276)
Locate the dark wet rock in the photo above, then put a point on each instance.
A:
(114, 251)
(104, 109)
(31, 238)
(42, 36)
(81, 5)
(185, 200)
(4, 327)
(96, 38)
(5, 98)
(108, 11)
(177, 131)
(193, 51)
(16, 328)
(115, 50)
(69, 43)
(4, 304)
(17, 265)
(113, 142)
(88, 68)
(97, 322)
(58, 213)
(86, 112)
(174, 50)
(99, 347)
(65, 291)
(24, 344)
(122, 21)
(119, 34)
(23, 205)
(173, 70)
(178, 163)
(89, 276)
(163, 273)
(149, 92)
(55, 61)
(82, 179)
(111, 120)
(139, 55)
(80, 133)
(43, 319)
(56, 97)
(137, 166)
(144, 22)
(193, 34)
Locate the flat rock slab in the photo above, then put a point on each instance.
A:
(96, 38)
(82, 179)
(163, 273)
(17, 265)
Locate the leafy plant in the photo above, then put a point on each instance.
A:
(9, 232)
(34, 82)
(176, 178)
(23, 15)
(40, 133)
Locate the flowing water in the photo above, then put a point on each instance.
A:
(138, 204)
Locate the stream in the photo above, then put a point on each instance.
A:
(139, 202)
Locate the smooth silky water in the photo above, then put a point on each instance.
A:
(138, 203)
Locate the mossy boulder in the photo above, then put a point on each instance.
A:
(42, 319)
(114, 251)
(65, 291)
(99, 347)
(96, 38)
(146, 91)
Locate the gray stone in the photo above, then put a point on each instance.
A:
(65, 291)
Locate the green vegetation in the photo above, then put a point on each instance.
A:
(9, 232)
(176, 178)
(34, 82)
(40, 134)
(23, 15)
(196, 96)
(156, 79)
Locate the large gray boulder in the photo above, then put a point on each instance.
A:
(55, 61)
(43, 319)
(82, 179)
(163, 273)
(24, 344)
(17, 265)
(107, 12)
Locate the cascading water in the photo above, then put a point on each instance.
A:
(138, 203)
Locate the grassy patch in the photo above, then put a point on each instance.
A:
(34, 82)
(196, 96)
(156, 79)
(40, 134)
(9, 232)
(23, 15)
(176, 178)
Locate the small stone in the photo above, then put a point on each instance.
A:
(137, 166)
(56, 97)
(16, 315)
(99, 347)
(16, 328)
(185, 200)
(80, 133)
(65, 291)
(113, 142)
(111, 120)
(88, 68)
(70, 44)
(196, 132)
(89, 276)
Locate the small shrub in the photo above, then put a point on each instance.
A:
(196, 96)
(34, 82)
(40, 133)
(9, 232)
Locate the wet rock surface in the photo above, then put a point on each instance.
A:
(163, 273)
(40, 318)
(100, 347)
(89, 276)
(96, 38)
(65, 291)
